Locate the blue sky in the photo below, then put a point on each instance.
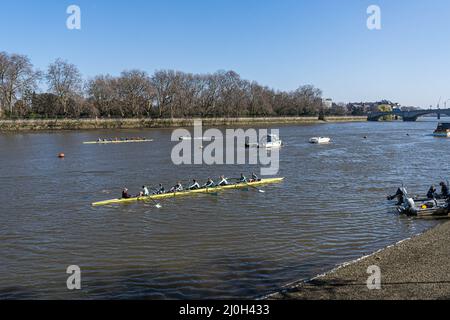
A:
(279, 43)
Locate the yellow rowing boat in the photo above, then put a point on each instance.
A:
(189, 192)
(117, 141)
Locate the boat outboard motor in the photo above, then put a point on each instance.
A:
(411, 206)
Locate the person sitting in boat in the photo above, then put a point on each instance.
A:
(242, 179)
(209, 183)
(144, 192)
(125, 194)
(254, 177)
(223, 181)
(160, 189)
(195, 185)
(444, 190)
(177, 188)
(431, 194)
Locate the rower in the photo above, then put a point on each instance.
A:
(209, 183)
(254, 177)
(223, 181)
(177, 188)
(194, 185)
(125, 194)
(160, 190)
(144, 192)
(242, 179)
(444, 190)
(431, 194)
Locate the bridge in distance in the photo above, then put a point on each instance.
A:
(408, 115)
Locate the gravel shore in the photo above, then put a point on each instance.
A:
(417, 268)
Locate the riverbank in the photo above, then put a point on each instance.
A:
(90, 124)
(416, 268)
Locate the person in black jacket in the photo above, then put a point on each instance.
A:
(444, 190)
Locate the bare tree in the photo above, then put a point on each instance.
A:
(64, 80)
(17, 79)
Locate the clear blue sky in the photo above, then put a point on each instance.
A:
(279, 43)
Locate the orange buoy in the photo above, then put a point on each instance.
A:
(61, 155)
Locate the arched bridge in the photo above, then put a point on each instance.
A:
(407, 115)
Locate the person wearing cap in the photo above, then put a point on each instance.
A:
(125, 194)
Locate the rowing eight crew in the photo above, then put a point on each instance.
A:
(194, 186)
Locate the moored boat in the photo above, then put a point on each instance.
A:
(190, 192)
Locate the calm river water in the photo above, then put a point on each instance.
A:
(239, 244)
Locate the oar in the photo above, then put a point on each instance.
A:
(157, 204)
(259, 190)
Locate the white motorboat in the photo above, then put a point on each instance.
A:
(320, 140)
(269, 142)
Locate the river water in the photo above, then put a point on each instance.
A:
(238, 244)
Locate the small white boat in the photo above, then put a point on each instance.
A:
(443, 130)
(320, 140)
(270, 141)
(196, 138)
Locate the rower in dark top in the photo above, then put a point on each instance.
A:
(444, 190)
(194, 185)
(125, 194)
(160, 190)
(254, 177)
(177, 188)
(223, 181)
(431, 194)
(209, 183)
(242, 179)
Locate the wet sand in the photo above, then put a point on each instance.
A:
(417, 268)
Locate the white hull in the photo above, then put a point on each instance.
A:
(196, 138)
(271, 145)
(319, 140)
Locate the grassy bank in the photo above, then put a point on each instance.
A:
(413, 269)
(87, 124)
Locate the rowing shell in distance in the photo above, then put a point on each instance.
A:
(117, 141)
(189, 192)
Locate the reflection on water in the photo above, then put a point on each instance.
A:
(330, 209)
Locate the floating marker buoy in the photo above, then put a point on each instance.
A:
(61, 155)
